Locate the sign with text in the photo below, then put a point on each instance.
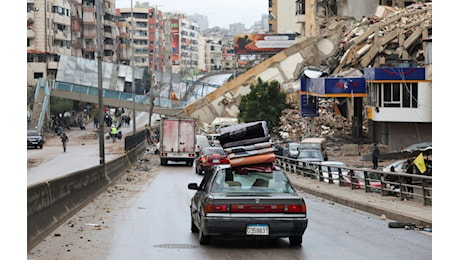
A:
(262, 43)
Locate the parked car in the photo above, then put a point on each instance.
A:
(314, 143)
(310, 156)
(251, 202)
(291, 150)
(35, 139)
(208, 157)
(358, 182)
(334, 167)
(398, 166)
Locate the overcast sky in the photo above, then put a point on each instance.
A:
(219, 12)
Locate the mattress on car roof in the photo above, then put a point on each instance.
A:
(251, 152)
(245, 142)
(253, 159)
(244, 148)
(243, 131)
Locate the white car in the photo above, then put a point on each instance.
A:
(334, 167)
(399, 166)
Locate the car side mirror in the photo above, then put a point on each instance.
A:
(193, 186)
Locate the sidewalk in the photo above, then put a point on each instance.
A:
(392, 207)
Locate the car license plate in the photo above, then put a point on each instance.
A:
(257, 229)
(215, 161)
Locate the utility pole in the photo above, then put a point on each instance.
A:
(153, 86)
(133, 86)
(99, 84)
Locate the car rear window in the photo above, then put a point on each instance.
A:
(213, 151)
(251, 181)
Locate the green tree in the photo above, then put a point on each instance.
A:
(60, 105)
(265, 102)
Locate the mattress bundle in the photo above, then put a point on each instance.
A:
(247, 144)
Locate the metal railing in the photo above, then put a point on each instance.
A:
(396, 184)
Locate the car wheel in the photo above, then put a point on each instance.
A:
(203, 239)
(295, 240)
(41, 146)
(194, 228)
(162, 162)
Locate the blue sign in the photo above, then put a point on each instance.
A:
(308, 106)
(334, 87)
(394, 73)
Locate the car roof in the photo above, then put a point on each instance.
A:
(333, 163)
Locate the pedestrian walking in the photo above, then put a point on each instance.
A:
(375, 156)
(64, 139)
(96, 122)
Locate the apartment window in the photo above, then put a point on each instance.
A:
(410, 95)
(398, 95)
(299, 7)
(60, 10)
(38, 75)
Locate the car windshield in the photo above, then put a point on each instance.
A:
(293, 147)
(310, 146)
(213, 151)
(309, 154)
(251, 180)
(32, 133)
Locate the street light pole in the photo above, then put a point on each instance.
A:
(133, 86)
(99, 84)
(153, 86)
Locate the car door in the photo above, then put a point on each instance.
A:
(199, 199)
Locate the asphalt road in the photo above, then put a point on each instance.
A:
(145, 215)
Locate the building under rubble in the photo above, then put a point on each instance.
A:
(390, 48)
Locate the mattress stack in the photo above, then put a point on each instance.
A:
(247, 144)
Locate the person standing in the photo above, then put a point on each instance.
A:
(409, 170)
(96, 122)
(113, 133)
(375, 156)
(64, 139)
(148, 135)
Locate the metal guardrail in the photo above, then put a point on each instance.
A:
(369, 180)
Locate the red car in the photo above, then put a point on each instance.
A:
(358, 181)
(208, 157)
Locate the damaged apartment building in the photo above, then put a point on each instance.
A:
(387, 43)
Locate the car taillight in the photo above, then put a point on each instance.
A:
(225, 161)
(295, 208)
(216, 208)
(203, 159)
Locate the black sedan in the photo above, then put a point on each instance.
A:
(248, 202)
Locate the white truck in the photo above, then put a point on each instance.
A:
(177, 140)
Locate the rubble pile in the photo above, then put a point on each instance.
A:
(329, 122)
(389, 34)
